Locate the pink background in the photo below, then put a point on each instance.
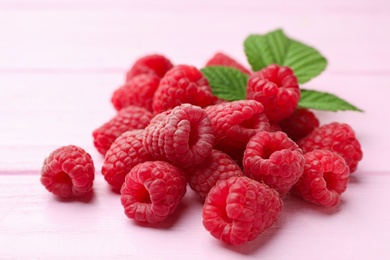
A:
(60, 61)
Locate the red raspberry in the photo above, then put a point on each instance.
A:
(337, 137)
(183, 136)
(152, 191)
(301, 123)
(324, 179)
(182, 84)
(138, 91)
(221, 59)
(235, 122)
(125, 152)
(68, 172)
(154, 64)
(238, 209)
(129, 118)
(273, 158)
(276, 87)
(216, 167)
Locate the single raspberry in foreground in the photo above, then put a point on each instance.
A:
(216, 167)
(138, 91)
(273, 158)
(129, 118)
(238, 209)
(221, 59)
(183, 136)
(235, 122)
(68, 172)
(276, 87)
(301, 123)
(152, 191)
(125, 152)
(153, 64)
(324, 179)
(337, 137)
(182, 84)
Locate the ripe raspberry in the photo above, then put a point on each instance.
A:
(129, 118)
(238, 209)
(152, 191)
(154, 64)
(301, 123)
(276, 87)
(68, 172)
(221, 59)
(138, 91)
(125, 152)
(324, 178)
(217, 166)
(182, 84)
(235, 122)
(337, 137)
(273, 158)
(183, 136)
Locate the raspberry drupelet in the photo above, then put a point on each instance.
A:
(273, 158)
(324, 179)
(182, 84)
(276, 87)
(183, 136)
(125, 152)
(68, 172)
(238, 209)
(152, 191)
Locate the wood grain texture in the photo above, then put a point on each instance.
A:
(61, 60)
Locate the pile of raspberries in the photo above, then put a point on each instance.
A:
(241, 157)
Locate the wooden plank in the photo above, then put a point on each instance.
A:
(34, 224)
(110, 36)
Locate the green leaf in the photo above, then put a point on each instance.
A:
(226, 83)
(276, 48)
(324, 101)
(305, 61)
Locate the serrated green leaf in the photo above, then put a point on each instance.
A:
(263, 50)
(276, 48)
(317, 100)
(226, 83)
(304, 60)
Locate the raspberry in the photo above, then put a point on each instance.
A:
(301, 123)
(273, 158)
(129, 118)
(276, 87)
(125, 152)
(152, 191)
(337, 137)
(216, 167)
(183, 136)
(324, 178)
(235, 122)
(238, 209)
(221, 59)
(154, 64)
(138, 91)
(182, 84)
(68, 172)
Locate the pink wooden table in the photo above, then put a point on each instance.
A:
(60, 62)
